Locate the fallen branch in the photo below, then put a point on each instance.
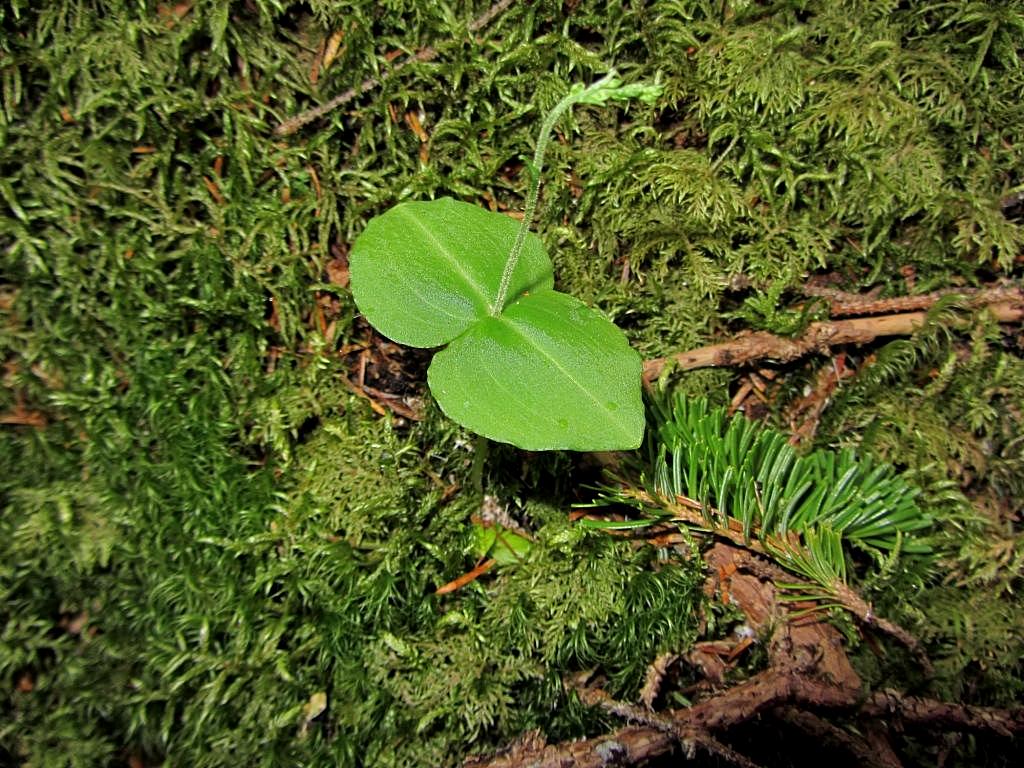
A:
(632, 745)
(293, 124)
(762, 694)
(762, 345)
(914, 710)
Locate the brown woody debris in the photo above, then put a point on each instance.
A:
(1006, 304)
(808, 672)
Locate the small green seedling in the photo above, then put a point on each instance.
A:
(505, 546)
(525, 364)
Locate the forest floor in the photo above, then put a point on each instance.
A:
(238, 530)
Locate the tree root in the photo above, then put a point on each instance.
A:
(809, 678)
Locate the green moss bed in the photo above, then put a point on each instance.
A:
(217, 550)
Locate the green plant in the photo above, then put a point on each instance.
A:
(525, 364)
(734, 478)
(240, 535)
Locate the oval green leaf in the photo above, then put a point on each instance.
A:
(548, 373)
(424, 272)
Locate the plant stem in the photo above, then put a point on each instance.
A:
(574, 97)
(481, 447)
(601, 91)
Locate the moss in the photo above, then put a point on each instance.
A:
(203, 528)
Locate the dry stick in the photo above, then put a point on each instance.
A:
(843, 304)
(293, 124)
(860, 608)
(688, 736)
(762, 345)
(633, 745)
(762, 693)
(911, 709)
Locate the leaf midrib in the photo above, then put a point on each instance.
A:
(511, 325)
(477, 289)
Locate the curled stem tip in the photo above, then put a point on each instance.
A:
(608, 88)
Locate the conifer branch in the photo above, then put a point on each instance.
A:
(801, 512)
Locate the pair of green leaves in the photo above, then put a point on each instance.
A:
(543, 371)
(524, 364)
(505, 546)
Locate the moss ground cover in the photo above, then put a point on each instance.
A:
(215, 551)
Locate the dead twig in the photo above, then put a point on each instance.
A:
(633, 745)
(688, 736)
(914, 710)
(20, 416)
(466, 578)
(293, 124)
(804, 415)
(860, 608)
(844, 304)
(819, 337)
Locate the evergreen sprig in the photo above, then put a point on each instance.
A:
(735, 478)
